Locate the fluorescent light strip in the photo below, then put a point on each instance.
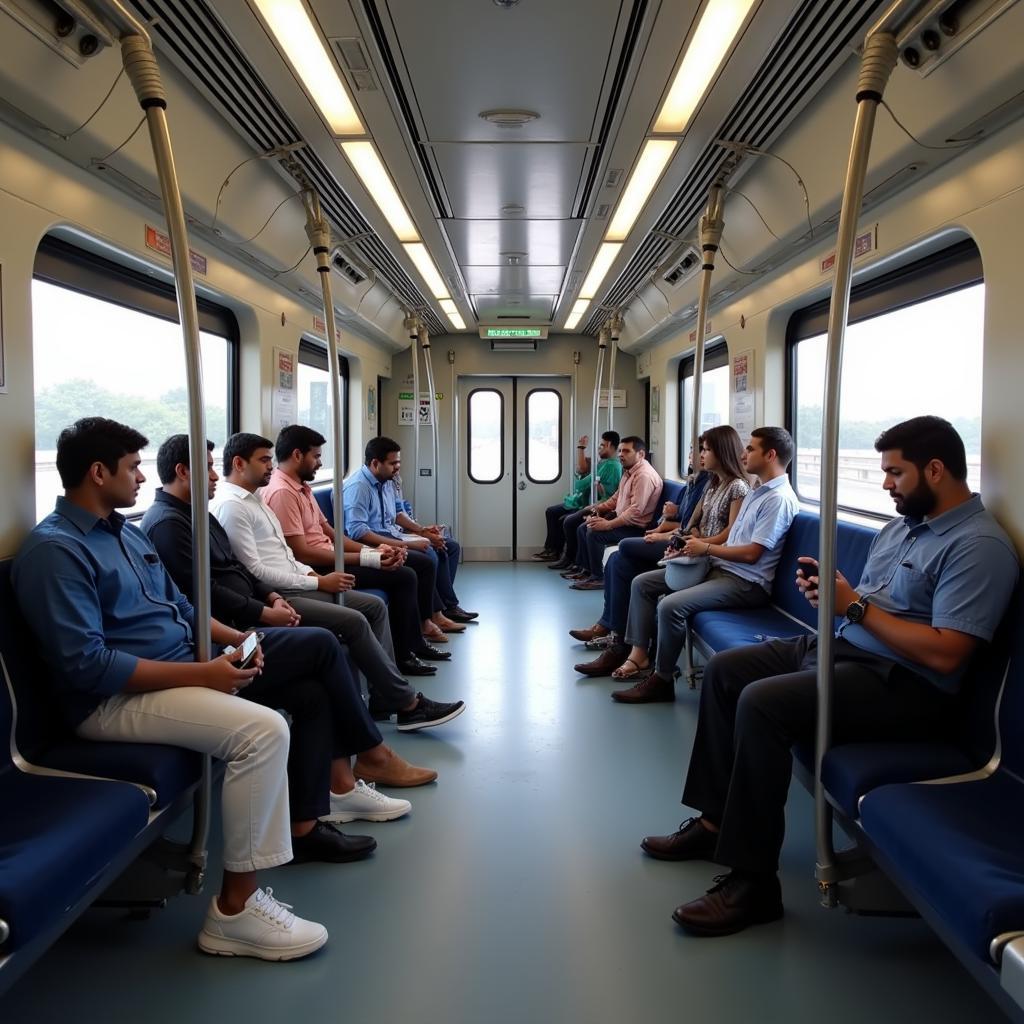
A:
(293, 28)
(647, 173)
(715, 34)
(576, 315)
(417, 252)
(452, 312)
(363, 157)
(602, 261)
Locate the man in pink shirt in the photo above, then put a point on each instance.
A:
(625, 514)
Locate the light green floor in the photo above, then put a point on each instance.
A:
(516, 891)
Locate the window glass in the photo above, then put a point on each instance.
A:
(543, 436)
(97, 358)
(314, 401)
(714, 401)
(486, 436)
(925, 358)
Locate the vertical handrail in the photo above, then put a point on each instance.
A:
(877, 63)
(318, 230)
(428, 367)
(711, 226)
(613, 348)
(412, 324)
(573, 427)
(602, 343)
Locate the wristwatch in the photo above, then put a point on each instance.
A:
(855, 611)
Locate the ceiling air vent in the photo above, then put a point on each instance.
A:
(353, 59)
(613, 178)
(684, 268)
(603, 211)
(66, 26)
(347, 270)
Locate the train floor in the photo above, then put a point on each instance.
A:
(516, 890)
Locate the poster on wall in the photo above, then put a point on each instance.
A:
(371, 403)
(743, 409)
(655, 403)
(283, 411)
(3, 365)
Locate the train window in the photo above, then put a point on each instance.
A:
(313, 382)
(543, 435)
(106, 342)
(914, 346)
(486, 428)
(714, 397)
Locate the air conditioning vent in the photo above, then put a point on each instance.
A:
(66, 26)
(603, 210)
(347, 270)
(613, 178)
(684, 268)
(351, 52)
(512, 316)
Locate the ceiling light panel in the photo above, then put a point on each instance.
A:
(599, 268)
(367, 164)
(452, 312)
(652, 163)
(417, 252)
(578, 309)
(717, 30)
(292, 27)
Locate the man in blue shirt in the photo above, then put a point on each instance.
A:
(118, 637)
(739, 573)
(936, 584)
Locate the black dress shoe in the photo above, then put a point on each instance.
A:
(561, 565)
(692, 842)
(457, 614)
(415, 667)
(734, 902)
(428, 713)
(327, 843)
(429, 653)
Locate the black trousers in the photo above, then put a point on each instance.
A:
(306, 674)
(757, 701)
(570, 525)
(555, 539)
(400, 585)
(427, 599)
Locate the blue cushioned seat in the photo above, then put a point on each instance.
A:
(325, 499)
(726, 628)
(671, 490)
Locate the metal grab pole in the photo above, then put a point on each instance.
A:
(615, 326)
(412, 326)
(318, 230)
(602, 343)
(142, 70)
(880, 53)
(573, 426)
(711, 225)
(428, 366)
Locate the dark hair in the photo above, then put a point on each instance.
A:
(296, 436)
(778, 440)
(380, 448)
(242, 446)
(612, 437)
(925, 438)
(638, 443)
(94, 439)
(172, 453)
(726, 446)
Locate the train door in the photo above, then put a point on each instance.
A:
(514, 438)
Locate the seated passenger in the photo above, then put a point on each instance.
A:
(735, 574)
(242, 601)
(117, 635)
(635, 555)
(311, 538)
(361, 623)
(609, 471)
(371, 517)
(625, 514)
(937, 581)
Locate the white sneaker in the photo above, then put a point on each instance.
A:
(265, 929)
(364, 803)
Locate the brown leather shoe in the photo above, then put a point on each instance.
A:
(585, 635)
(692, 842)
(734, 902)
(652, 690)
(396, 772)
(606, 664)
(587, 584)
(573, 573)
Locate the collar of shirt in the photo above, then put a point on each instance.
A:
(370, 478)
(284, 479)
(949, 519)
(770, 485)
(229, 490)
(85, 521)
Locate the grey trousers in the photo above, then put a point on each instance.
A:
(361, 623)
(720, 589)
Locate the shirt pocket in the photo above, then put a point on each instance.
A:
(912, 590)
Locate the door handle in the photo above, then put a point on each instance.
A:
(522, 485)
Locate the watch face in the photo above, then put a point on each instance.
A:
(855, 612)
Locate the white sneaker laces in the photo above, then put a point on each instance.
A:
(277, 913)
(369, 790)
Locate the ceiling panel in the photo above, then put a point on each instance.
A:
(481, 179)
(546, 57)
(539, 243)
(490, 307)
(514, 280)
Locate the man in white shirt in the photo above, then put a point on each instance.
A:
(258, 543)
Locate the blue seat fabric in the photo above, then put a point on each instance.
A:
(325, 499)
(671, 490)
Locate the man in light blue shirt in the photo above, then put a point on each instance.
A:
(936, 584)
(736, 574)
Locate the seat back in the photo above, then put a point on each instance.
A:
(671, 490)
(325, 499)
(997, 679)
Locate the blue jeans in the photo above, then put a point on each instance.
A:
(446, 563)
(634, 556)
(593, 543)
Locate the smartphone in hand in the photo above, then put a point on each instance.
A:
(249, 646)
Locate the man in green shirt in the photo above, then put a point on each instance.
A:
(609, 471)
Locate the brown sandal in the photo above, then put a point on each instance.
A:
(629, 669)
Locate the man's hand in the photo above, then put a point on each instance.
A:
(599, 524)
(695, 546)
(280, 613)
(653, 536)
(435, 535)
(808, 584)
(336, 582)
(420, 544)
(391, 556)
(222, 674)
(583, 441)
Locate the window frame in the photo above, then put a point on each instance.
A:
(715, 357)
(949, 270)
(314, 353)
(561, 439)
(469, 437)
